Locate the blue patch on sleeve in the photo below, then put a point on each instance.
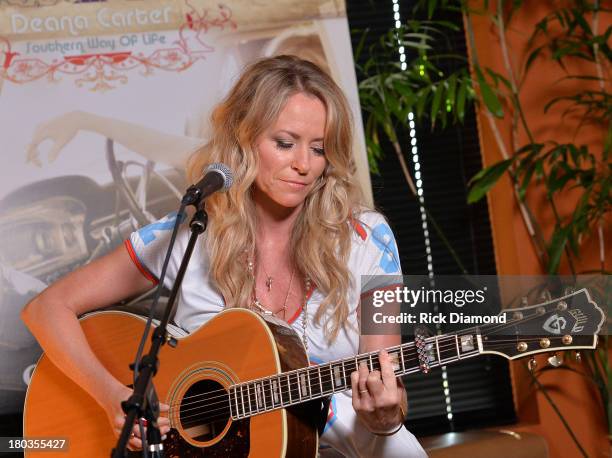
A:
(383, 240)
(333, 409)
(147, 233)
(332, 414)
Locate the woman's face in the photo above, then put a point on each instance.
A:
(291, 155)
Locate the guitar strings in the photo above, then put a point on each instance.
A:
(224, 398)
(442, 345)
(224, 411)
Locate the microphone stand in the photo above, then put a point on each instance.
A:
(143, 402)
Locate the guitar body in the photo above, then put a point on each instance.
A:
(235, 346)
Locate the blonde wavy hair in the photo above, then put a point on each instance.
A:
(252, 105)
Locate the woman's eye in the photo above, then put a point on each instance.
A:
(319, 151)
(283, 145)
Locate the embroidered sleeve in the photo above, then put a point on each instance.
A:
(379, 264)
(147, 247)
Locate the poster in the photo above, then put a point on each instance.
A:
(101, 102)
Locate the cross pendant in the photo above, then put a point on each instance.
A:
(269, 283)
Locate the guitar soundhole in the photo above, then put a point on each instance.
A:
(204, 410)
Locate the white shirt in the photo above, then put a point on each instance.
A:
(373, 252)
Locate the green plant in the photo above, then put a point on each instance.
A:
(388, 95)
(437, 85)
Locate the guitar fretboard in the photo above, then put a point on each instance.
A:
(314, 382)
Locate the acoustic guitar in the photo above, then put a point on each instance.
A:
(241, 384)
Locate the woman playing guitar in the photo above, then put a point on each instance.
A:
(291, 239)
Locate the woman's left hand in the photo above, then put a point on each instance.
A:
(378, 395)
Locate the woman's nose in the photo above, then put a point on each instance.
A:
(301, 161)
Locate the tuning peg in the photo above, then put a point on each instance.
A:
(546, 295)
(532, 364)
(555, 360)
(578, 357)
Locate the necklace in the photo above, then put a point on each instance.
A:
(264, 309)
(305, 312)
(269, 279)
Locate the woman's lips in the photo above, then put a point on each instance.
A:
(295, 184)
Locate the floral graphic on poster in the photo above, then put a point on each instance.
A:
(103, 70)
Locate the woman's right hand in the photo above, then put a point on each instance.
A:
(116, 417)
(60, 130)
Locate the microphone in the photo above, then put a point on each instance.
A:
(217, 176)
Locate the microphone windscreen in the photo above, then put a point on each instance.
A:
(224, 170)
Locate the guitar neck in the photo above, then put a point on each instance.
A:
(314, 382)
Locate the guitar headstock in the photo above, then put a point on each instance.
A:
(570, 322)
